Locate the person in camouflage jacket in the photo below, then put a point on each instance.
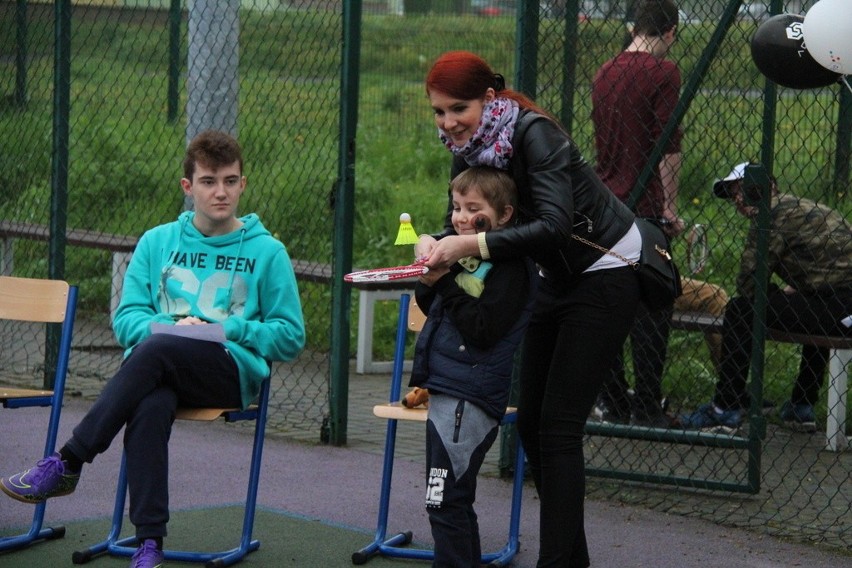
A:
(810, 251)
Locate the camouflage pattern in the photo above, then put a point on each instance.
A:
(810, 246)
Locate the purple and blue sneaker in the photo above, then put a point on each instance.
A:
(147, 555)
(47, 479)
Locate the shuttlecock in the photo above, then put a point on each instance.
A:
(406, 234)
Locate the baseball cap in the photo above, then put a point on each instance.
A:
(720, 187)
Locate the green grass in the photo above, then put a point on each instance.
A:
(125, 157)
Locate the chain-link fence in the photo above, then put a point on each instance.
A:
(129, 95)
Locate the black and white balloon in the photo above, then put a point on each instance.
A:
(778, 49)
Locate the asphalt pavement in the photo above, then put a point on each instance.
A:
(340, 486)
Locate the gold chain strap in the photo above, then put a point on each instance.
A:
(632, 263)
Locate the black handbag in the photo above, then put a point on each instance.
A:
(659, 279)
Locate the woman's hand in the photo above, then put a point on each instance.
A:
(449, 250)
(424, 247)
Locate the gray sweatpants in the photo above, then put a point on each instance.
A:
(458, 435)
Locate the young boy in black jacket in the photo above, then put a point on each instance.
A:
(477, 314)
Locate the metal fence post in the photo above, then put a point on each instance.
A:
(59, 168)
(344, 205)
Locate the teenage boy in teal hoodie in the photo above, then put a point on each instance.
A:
(208, 301)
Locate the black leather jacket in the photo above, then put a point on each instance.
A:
(559, 193)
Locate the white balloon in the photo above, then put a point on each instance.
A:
(828, 34)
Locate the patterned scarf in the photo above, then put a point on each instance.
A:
(491, 144)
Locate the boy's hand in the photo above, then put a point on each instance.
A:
(433, 276)
(190, 320)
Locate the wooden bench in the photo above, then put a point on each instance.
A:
(120, 246)
(840, 349)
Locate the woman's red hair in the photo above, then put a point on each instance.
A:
(466, 76)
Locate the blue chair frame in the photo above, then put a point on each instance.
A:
(28, 299)
(116, 546)
(395, 546)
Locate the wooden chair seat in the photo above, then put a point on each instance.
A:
(7, 393)
(202, 414)
(396, 411)
(210, 414)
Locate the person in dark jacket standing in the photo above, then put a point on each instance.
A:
(587, 299)
(477, 313)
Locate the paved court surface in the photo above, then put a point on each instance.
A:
(340, 486)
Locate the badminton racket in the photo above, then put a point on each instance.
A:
(697, 250)
(388, 273)
(480, 223)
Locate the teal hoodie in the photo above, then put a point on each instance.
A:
(244, 280)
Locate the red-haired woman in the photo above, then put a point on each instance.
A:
(587, 299)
